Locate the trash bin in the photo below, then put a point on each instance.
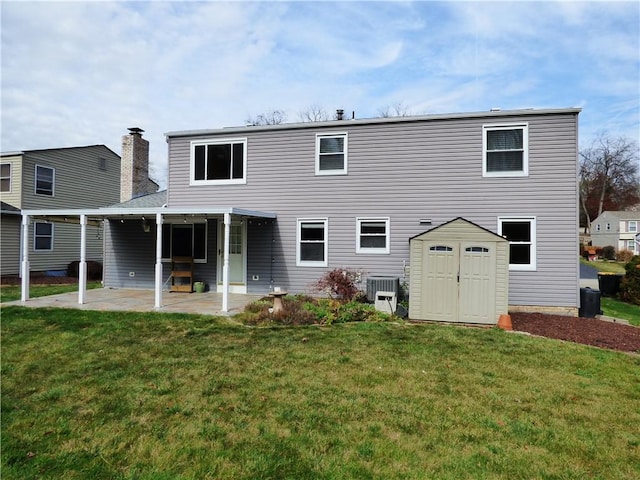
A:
(589, 303)
(609, 283)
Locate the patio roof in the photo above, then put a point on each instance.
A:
(120, 212)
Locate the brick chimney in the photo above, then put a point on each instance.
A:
(134, 176)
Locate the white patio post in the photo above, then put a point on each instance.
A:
(158, 287)
(225, 263)
(82, 268)
(24, 267)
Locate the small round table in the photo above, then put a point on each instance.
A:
(277, 300)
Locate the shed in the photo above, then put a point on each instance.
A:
(459, 273)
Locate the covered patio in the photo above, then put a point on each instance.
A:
(156, 298)
(134, 300)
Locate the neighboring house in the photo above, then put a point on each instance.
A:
(279, 205)
(56, 178)
(61, 179)
(618, 229)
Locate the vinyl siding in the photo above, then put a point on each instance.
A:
(405, 171)
(14, 197)
(79, 183)
(10, 244)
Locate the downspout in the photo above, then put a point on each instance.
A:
(24, 294)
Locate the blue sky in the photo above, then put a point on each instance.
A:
(80, 73)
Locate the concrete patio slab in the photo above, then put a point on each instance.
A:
(116, 299)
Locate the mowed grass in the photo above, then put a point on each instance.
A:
(9, 293)
(106, 395)
(617, 309)
(607, 266)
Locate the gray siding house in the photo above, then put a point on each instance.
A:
(619, 229)
(58, 178)
(264, 206)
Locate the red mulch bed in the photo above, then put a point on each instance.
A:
(588, 331)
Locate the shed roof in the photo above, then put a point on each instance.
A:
(458, 229)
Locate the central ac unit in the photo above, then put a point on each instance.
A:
(382, 284)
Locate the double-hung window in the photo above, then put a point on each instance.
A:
(372, 235)
(505, 150)
(632, 226)
(5, 177)
(45, 180)
(331, 154)
(184, 240)
(217, 162)
(43, 236)
(312, 245)
(521, 233)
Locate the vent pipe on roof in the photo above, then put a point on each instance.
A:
(339, 114)
(495, 109)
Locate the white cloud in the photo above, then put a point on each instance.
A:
(101, 67)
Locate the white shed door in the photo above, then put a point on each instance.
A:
(440, 281)
(477, 282)
(458, 281)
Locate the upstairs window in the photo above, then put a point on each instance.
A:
(521, 233)
(43, 236)
(372, 235)
(331, 154)
(219, 162)
(184, 240)
(608, 227)
(5, 177)
(632, 226)
(597, 227)
(312, 243)
(505, 151)
(45, 180)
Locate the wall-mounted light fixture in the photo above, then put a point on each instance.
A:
(146, 228)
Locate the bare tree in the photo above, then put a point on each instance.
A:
(398, 109)
(609, 178)
(274, 117)
(314, 113)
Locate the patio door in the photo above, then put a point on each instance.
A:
(237, 256)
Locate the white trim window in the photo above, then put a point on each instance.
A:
(372, 235)
(218, 161)
(505, 150)
(5, 177)
(312, 244)
(632, 226)
(521, 233)
(331, 154)
(184, 240)
(42, 236)
(45, 180)
(631, 245)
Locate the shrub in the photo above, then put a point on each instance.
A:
(305, 310)
(609, 252)
(624, 256)
(630, 284)
(339, 283)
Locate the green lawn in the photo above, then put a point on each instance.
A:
(9, 293)
(617, 309)
(609, 266)
(106, 395)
